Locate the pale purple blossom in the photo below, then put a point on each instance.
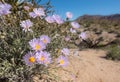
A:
(83, 35)
(45, 39)
(37, 44)
(69, 15)
(26, 25)
(67, 38)
(48, 59)
(65, 51)
(37, 12)
(75, 25)
(26, 8)
(5, 8)
(43, 58)
(50, 19)
(29, 59)
(72, 30)
(58, 19)
(62, 61)
(32, 14)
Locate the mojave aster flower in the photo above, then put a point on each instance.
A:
(43, 58)
(58, 19)
(45, 39)
(83, 35)
(5, 8)
(29, 59)
(65, 51)
(62, 61)
(69, 15)
(26, 25)
(72, 30)
(37, 12)
(75, 25)
(26, 8)
(32, 14)
(50, 19)
(67, 38)
(48, 59)
(37, 44)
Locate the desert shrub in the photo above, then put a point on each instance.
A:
(113, 52)
(19, 32)
(107, 38)
(93, 39)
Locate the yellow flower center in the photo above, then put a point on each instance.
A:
(42, 58)
(37, 47)
(62, 62)
(32, 59)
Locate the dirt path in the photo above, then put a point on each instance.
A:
(90, 66)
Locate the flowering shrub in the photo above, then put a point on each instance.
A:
(30, 41)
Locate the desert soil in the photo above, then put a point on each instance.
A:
(89, 66)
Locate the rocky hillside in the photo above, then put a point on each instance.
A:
(110, 22)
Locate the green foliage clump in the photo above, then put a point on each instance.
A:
(114, 53)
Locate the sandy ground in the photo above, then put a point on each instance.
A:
(89, 66)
